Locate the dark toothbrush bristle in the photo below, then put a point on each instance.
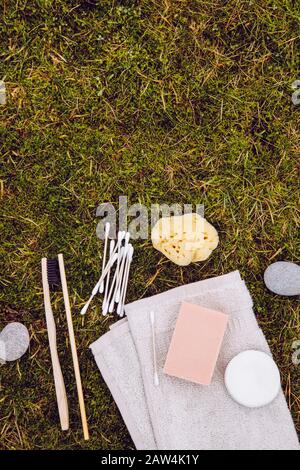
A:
(53, 273)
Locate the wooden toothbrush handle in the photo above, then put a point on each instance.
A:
(73, 346)
(60, 389)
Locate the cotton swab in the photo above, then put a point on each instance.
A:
(106, 306)
(120, 303)
(111, 249)
(127, 238)
(152, 320)
(119, 244)
(120, 309)
(96, 288)
(119, 277)
(121, 270)
(121, 236)
(107, 228)
(126, 282)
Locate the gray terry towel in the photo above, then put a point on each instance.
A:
(179, 414)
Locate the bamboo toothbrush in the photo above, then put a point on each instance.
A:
(73, 346)
(50, 277)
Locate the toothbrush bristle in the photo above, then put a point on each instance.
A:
(53, 273)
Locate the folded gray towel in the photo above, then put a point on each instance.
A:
(178, 414)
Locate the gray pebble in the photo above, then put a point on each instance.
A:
(283, 278)
(14, 342)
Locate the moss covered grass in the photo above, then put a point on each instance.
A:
(163, 101)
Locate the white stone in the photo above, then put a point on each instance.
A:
(14, 342)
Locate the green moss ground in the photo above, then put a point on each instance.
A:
(182, 101)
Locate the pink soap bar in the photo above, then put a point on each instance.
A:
(196, 343)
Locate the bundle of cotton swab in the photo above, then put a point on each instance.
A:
(113, 287)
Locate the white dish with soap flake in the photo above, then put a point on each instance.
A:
(252, 379)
